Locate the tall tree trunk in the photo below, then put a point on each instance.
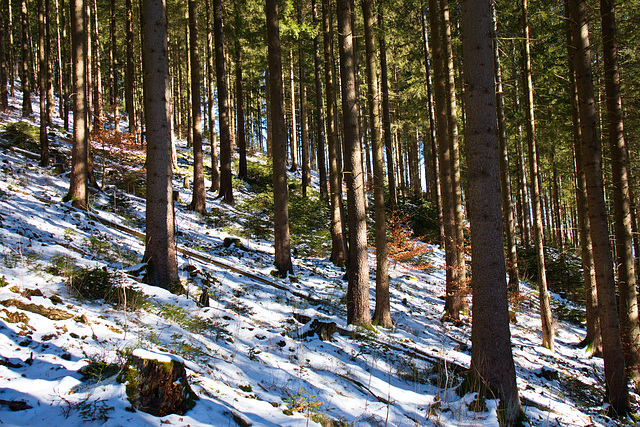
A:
(304, 124)
(215, 175)
(382, 312)
(433, 137)
(614, 363)
(545, 306)
(294, 124)
(113, 56)
(4, 93)
(492, 364)
(358, 265)
(282, 243)
(79, 175)
(96, 68)
(162, 269)
(241, 140)
(226, 188)
(629, 327)
(198, 202)
(51, 102)
(129, 79)
(65, 70)
(452, 301)
(452, 118)
(593, 338)
(386, 113)
(25, 80)
(322, 168)
(505, 178)
(338, 244)
(44, 68)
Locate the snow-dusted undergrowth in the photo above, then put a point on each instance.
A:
(244, 355)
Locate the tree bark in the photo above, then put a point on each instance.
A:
(241, 140)
(545, 307)
(44, 69)
(628, 310)
(338, 244)
(322, 167)
(129, 89)
(79, 174)
(492, 364)
(113, 56)
(27, 110)
(386, 113)
(282, 243)
(226, 188)
(304, 123)
(162, 269)
(505, 178)
(593, 338)
(96, 68)
(358, 266)
(382, 312)
(614, 363)
(215, 175)
(4, 93)
(198, 201)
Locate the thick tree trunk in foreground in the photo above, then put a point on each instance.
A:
(358, 266)
(279, 136)
(491, 357)
(160, 256)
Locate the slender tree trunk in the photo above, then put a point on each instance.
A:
(593, 338)
(452, 303)
(162, 269)
(505, 178)
(492, 364)
(382, 313)
(113, 56)
(130, 72)
(96, 68)
(280, 187)
(358, 266)
(294, 123)
(338, 244)
(79, 176)
(64, 69)
(456, 182)
(215, 176)
(198, 202)
(433, 137)
(304, 124)
(322, 168)
(614, 363)
(545, 306)
(4, 93)
(628, 310)
(226, 188)
(386, 113)
(241, 140)
(44, 68)
(25, 80)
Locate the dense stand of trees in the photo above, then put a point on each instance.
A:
(498, 119)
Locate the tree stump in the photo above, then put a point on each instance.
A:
(157, 384)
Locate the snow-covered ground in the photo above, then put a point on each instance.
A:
(244, 355)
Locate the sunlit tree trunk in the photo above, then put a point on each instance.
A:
(24, 44)
(628, 310)
(614, 363)
(338, 244)
(129, 89)
(42, 75)
(382, 312)
(215, 176)
(320, 149)
(113, 56)
(226, 188)
(198, 201)
(492, 366)
(79, 175)
(358, 265)
(282, 243)
(545, 307)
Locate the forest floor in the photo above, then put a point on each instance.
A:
(248, 356)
